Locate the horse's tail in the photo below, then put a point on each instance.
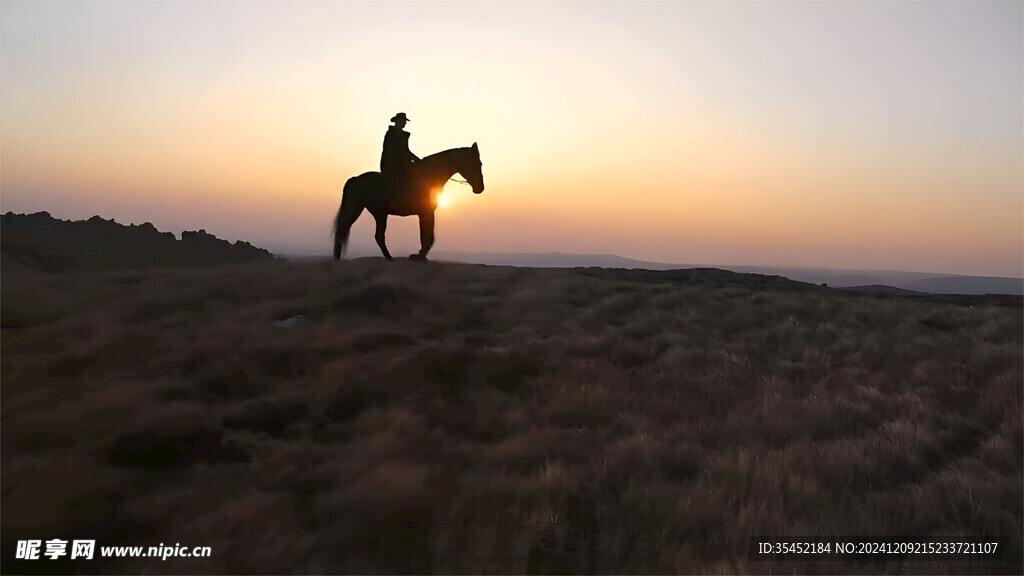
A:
(352, 205)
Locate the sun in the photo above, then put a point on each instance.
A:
(443, 200)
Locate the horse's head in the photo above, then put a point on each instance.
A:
(471, 169)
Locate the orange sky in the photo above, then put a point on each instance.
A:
(878, 135)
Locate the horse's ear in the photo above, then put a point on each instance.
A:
(475, 148)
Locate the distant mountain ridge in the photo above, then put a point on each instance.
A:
(912, 281)
(41, 242)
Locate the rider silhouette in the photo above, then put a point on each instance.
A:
(396, 159)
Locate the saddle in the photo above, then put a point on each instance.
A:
(400, 192)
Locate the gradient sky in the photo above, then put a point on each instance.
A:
(877, 135)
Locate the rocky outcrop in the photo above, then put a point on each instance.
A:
(53, 245)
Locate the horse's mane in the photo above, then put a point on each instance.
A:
(444, 154)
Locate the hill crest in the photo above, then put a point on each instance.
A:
(922, 282)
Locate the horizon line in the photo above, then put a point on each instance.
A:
(287, 255)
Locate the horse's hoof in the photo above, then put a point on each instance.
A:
(388, 258)
(417, 258)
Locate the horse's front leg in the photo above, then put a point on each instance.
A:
(382, 226)
(426, 235)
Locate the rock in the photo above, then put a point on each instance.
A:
(297, 321)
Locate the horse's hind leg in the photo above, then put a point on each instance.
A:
(382, 226)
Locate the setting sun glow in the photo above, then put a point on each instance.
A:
(444, 199)
(683, 132)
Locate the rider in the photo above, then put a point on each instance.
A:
(396, 159)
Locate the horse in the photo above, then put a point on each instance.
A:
(426, 179)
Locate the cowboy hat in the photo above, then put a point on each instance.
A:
(400, 116)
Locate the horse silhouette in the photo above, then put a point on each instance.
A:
(426, 179)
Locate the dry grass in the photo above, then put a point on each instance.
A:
(454, 418)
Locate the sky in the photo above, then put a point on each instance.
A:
(865, 135)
